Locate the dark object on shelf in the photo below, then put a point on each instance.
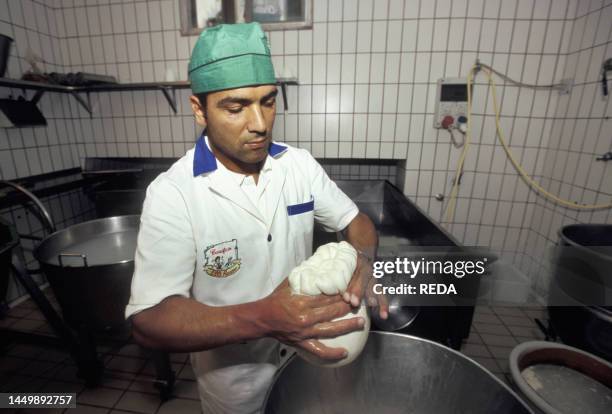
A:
(582, 271)
(70, 79)
(20, 113)
(35, 77)
(5, 51)
(81, 79)
(394, 374)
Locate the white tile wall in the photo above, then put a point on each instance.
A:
(577, 138)
(28, 151)
(531, 38)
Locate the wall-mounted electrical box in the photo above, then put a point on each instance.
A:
(451, 103)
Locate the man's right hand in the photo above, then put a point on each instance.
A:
(299, 320)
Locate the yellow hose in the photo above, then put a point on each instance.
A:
(524, 175)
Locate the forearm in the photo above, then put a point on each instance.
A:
(361, 233)
(180, 324)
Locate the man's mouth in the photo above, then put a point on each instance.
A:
(257, 143)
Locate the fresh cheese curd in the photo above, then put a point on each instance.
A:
(328, 271)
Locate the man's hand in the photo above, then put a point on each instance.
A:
(361, 285)
(299, 320)
(361, 233)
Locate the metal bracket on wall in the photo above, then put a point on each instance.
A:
(39, 93)
(37, 96)
(171, 99)
(85, 104)
(283, 82)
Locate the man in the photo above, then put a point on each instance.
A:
(224, 226)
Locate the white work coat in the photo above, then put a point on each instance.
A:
(202, 237)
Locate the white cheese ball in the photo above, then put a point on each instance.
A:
(328, 271)
(353, 342)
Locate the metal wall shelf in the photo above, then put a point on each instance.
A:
(167, 88)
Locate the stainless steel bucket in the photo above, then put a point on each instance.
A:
(395, 374)
(89, 267)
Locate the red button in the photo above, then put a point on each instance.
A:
(447, 121)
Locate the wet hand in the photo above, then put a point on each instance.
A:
(361, 284)
(299, 320)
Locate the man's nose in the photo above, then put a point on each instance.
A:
(256, 123)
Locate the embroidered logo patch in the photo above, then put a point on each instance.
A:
(221, 259)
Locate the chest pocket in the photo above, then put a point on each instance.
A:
(302, 208)
(301, 223)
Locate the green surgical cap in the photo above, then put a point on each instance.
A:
(230, 56)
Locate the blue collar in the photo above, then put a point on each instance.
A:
(204, 160)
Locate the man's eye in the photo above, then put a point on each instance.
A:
(234, 110)
(270, 102)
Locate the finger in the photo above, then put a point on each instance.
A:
(379, 302)
(336, 328)
(329, 312)
(383, 306)
(323, 300)
(356, 287)
(322, 351)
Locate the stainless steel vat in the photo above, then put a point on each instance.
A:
(395, 374)
(90, 266)
(580, 290)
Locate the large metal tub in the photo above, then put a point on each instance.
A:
(90, 266)
(395, 374)
(579, 295)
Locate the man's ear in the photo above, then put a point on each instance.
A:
(198, 110)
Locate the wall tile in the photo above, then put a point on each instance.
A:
(334, 11)
(168, 10)
(424, 37)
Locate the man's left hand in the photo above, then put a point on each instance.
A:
(361, 285)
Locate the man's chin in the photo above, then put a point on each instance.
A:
(255, 156)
